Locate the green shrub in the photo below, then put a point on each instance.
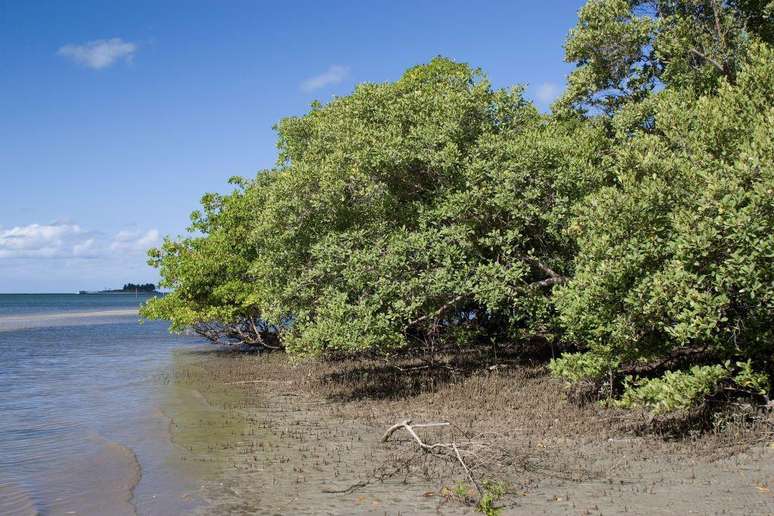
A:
(423, 213)
(493, 491)
(678, 257)
(635, 224)
(577, 367)
(674, 391)
(750, 380)
(678, 390)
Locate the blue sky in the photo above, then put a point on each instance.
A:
(116, 116)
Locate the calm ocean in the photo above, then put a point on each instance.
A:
(82, 426)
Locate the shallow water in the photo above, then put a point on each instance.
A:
(83, 427)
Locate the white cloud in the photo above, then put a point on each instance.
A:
(86, 248)
(69, 240)
(133, 241)
(547, 92)
(333, 75)
(100, 53)
(56, 240)
(65, 256)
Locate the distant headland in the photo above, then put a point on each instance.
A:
(129, 288)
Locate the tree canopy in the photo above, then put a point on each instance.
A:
(632, 227)
(626, 49)
(678, 255)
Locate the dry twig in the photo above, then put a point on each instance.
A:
(437, 447)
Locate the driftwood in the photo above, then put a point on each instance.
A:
(244, 382)
(447, 448)
(471, 454)
(346, 490)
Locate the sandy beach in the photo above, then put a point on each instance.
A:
(13, 322)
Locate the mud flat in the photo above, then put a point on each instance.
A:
(282, 438)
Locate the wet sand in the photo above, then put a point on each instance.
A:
(18, 322)
(267, 448)
(113, 472)
(279, 438)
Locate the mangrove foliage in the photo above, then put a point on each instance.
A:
(631, 229)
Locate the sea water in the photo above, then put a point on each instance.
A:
(82, 391)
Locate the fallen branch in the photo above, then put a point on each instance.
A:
(394, 427)
(243, 382)
(467, 471)
(346, 490)
(430, 448)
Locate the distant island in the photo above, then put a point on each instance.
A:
(145, 288)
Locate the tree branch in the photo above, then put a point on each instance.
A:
(437, 313)
(549, 282)
(710, 60)
(554, 277)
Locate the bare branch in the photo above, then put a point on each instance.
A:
(467, 471)
(709, 60)
(548, 282)
(406, 424)
(554, 277)
(716, 11)
(394, 427)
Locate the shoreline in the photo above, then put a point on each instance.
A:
(80, 431)
(284, 450)
(315, 430)
(66, 318)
